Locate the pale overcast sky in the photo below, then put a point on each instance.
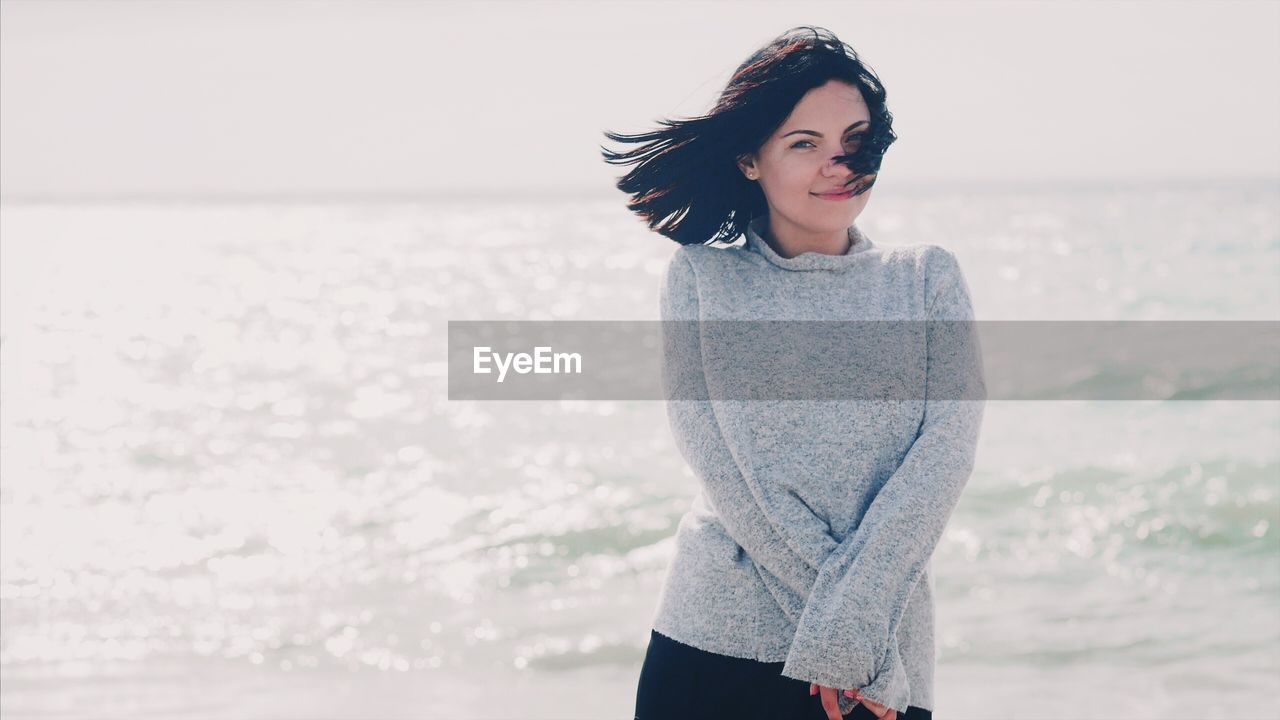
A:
(291, 98)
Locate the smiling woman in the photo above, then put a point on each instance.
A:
(802, 122)
(800, 584)
(812, 194)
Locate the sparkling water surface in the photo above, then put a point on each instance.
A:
(233, 485)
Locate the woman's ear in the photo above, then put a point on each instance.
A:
(747, 165)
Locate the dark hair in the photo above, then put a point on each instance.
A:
(686, 184)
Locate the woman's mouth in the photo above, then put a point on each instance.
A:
(835, 195)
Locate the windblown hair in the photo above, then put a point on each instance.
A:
(686, 183)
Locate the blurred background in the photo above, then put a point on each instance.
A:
(232, 235)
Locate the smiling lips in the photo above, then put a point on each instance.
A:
(835, 195)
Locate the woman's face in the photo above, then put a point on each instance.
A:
(795, 164)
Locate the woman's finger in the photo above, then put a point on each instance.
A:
(830, 703)
(813, 688)
(880, 711)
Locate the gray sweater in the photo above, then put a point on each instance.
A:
(810, 538)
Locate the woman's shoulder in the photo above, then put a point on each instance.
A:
(712, 252)
(698, 260)
(931, 262)
(690, 262)
(923, 270)
(924, 255)
(946, 290)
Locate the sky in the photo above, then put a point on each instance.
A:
(117, 98)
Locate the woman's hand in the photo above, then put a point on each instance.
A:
(831, 704)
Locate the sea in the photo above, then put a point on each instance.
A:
(233, 485)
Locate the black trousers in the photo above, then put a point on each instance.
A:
(680, 682)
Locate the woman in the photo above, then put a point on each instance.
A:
(800, 586)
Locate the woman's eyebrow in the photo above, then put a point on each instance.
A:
(815, 133)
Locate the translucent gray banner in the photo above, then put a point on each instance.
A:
(864, 360)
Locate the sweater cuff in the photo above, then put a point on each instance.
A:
(887, 685)
(890, 686)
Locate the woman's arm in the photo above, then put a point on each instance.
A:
(788, 570)
(846, 636)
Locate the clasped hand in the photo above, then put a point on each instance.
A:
(831, 702)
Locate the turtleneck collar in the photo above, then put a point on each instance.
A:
(859, 243)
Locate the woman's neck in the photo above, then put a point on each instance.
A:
(790, 243)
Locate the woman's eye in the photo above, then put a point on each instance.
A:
(852, 138)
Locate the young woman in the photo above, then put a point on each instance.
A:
(800, 587)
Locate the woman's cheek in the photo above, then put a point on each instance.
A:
(796, 179)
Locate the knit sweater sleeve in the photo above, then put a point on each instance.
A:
(846, 634)
(788, 570)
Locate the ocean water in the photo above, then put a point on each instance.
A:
(233, 485)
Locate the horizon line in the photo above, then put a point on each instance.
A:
(429, 195)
